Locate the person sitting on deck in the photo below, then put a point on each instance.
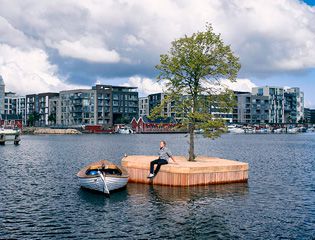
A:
(164, 156)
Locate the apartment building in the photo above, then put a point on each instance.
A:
(116, 104)
(156, 99)
(77, 107)
(273, 105)
(144, 106)
(101, 105)
(38, 104)
(2, 95)
(15, 105)
(275, 102)
(242, 110)
(294, 105)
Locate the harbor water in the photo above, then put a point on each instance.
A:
(40, 196)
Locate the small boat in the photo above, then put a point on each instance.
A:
(279, 130)
(235, 129)
(263, 130)
(292, 130)
(249, 130)
(9, 131)
(9, 135)
(302, 129)
(103, 176)
(125, 130)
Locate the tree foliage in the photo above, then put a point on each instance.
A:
(33, 118)
(192, 71)
(52, 118)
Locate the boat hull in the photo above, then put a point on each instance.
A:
(97, 184)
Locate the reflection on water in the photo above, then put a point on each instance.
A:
(185, 194)
(40, 196)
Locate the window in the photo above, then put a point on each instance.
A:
(271, 91)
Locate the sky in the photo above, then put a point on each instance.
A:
(66, 44)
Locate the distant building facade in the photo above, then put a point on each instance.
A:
(270, 105)
(15, 105)
(116, 104)
(77, 107)
(144, 109)
(312, 119)
(101, 105)
(242, 110)
(38, 104)
(307, 115)
(2, 95)
(294, 105)
(275, 103)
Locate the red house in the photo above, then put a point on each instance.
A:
(11, 121)
(159, 125)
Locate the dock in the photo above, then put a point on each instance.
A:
(9, 135)
(203, 171)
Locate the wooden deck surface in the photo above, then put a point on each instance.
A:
(204, 171)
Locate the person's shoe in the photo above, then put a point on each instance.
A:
(151, 175)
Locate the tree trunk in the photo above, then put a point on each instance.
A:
(191, 142)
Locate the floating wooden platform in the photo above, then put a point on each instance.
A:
(204, 171)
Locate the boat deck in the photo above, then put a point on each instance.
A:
(8, 135)
(204, 171)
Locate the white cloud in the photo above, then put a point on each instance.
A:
(29, 71)
(89, 49)
(133, 40)
(148, 86)
(242, 85)
(269, 36)
(11, 35)
(309, 104)
(145, 86)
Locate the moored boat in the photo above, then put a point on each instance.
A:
(9, 135)
(235, 129)
(9, 131)
(125, 130)
(292, 130)
(103, 176)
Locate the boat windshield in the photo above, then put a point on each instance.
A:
(109, 171)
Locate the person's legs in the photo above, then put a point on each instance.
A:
(152, 165)
(159, 164)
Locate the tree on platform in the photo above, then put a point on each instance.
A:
(193, 71)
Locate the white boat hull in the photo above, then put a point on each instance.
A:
(292, 130)
(9, 131)
(236, 130)
(97, 184)
(125, 131)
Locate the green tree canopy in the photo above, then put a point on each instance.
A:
(192, 71)
(33, 118)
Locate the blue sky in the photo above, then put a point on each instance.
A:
(310, 2)
(66, 44)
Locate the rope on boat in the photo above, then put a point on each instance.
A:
(105, 189)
